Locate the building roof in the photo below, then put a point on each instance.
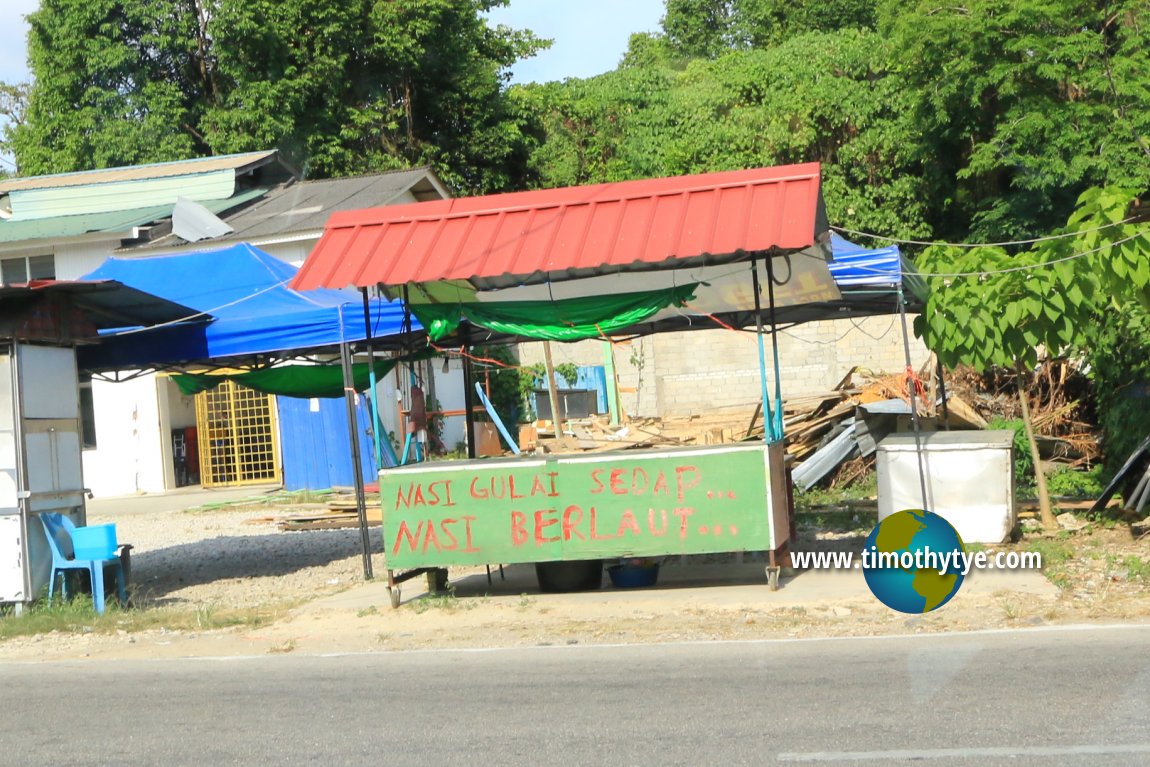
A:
(559, 234)
(303, 207)
(237, 162)
(115, 222)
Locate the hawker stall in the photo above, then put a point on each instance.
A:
(737, 249)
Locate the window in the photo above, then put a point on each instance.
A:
(87, 414)
(25, 268)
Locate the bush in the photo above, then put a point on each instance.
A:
(1071, 483)
(1119, 357)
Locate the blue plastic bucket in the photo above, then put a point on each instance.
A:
(94, 542)
(632, 576)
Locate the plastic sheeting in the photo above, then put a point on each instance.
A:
(290, 380)
(566, 320)
(246, 292)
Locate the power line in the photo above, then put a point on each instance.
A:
(896, 240)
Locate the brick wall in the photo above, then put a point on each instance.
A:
(691, 372)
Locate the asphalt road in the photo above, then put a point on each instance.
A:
(1036, 697)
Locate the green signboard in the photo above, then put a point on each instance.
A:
(570, 507)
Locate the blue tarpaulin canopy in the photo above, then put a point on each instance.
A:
(248, 309)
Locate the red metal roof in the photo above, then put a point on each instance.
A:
(553, 234)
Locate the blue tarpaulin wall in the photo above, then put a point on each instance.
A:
(246, 291)
(252, 311)
(854, 265)
(315, 443)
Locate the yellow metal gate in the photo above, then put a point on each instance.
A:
(238, 436)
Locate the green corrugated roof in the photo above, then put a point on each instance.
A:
(58, 227)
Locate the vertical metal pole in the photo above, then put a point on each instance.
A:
(353, 428)
(768, 419)
(612, 382)
(468, 393)
(376, 421)
(775, 349)
(913, 399)
(412, 379)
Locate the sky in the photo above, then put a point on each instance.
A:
(590, 35)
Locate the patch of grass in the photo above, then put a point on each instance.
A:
(1055, 554)
(77, 616)
(284, 647)
(525, 602)
(1054, 551)
(816, 497)
(837, 521)
(446, 601)
(1137, 568)
(369, 610)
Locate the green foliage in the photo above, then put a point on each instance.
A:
(831, 97)
(1023, 105)
(710, 28)
(816, 497)
(341, 87)
(1137, 568)
(1120, 368)
(1065, 482)
(532, 377)
(986, 308)
(501, 379)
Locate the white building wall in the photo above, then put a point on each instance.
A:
(75, 259)
(128, 457)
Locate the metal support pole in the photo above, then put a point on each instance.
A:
(768, 418)
(376, 421)
(775, 349)
(913, 399)
(353, 428)
(468, 393)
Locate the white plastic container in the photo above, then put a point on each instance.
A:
(969, 480)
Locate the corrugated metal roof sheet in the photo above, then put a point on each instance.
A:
(136, 172)
(573, 232)
(116, 196)
(305, 206)
(113, 222)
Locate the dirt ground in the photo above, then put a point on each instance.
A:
(309, 587)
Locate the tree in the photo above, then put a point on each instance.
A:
(13, 106)
(821, 96)
(989, 308)
(341, 86)
(1022, 106)
(710, 28)
(116, 82)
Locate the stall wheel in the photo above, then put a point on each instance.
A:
(773, 578)
(393, 595)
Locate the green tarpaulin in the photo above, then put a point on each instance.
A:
(290, 380)
(566, 320)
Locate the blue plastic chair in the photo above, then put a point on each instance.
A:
(58, 528)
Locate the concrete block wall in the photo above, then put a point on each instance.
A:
(696, 371)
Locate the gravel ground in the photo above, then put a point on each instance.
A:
(233, 559)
